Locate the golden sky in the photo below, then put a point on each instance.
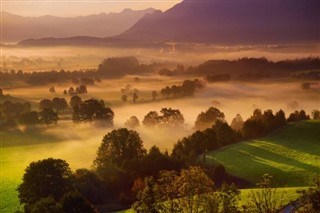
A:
(69, 8)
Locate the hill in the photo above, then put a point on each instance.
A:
(240, 22)
(291, 155)
(16, 28)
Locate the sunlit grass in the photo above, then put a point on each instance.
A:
(291, 155)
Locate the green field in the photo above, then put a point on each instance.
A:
(291, 155)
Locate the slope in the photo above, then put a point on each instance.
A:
(291, 155)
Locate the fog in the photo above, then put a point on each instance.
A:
(75, 58)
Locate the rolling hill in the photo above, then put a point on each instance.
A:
(16, 28)
(291, 155)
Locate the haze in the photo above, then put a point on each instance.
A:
(79, 8)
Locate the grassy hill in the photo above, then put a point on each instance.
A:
(291, 155)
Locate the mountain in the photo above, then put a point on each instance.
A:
(16, 28)
(229, 21)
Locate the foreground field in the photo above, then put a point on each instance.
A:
(291, 155)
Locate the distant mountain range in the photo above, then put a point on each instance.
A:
(218, 22)
(229, 21)
(16, 28)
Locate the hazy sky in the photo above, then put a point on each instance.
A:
(79, 7)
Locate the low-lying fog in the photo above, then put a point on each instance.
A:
(74, 58)
(231, 98)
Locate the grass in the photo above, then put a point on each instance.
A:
(291, 155)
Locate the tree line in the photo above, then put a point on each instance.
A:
(124, 173)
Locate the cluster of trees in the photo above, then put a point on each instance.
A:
(188, 150)
(82, 89)
(260, 124)
(91, 110)
(86, 81)
(57, 104)
(190, 190)
(12, 114)
(169, 118)
(218, 78)
(48, 77)
(128, 91)
(250, 69)
(121, 66)
(50, 186)
(187, 88)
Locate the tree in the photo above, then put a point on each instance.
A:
(280, 118)
(73, 202)
(29, 118)
(132, 123)
(154, 95)
(124, 98)
(1, 92)
(225, 134)
(147, 198)
(298, 116)
(93, 110)
(208, 118)
(52, 90)
(151, 119)
(82, 89)
(59, 104)
(309, 200)
(266, 198)
(91, 186)
(71, 91)
(193, 184)
(171, 118)
(75, 101)
(237, 123)
(135, 97)
(315, 114)
(45, 104)
(45, 178)
(228, 198)
(45, 205)
(48, 116)
(168, 193)
(119, 148)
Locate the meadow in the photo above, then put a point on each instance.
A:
(290, 155)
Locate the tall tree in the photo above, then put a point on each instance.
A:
(44, 178)
(119, 148)
(208, 118)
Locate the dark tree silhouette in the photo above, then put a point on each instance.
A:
(151, 119)
(73, 202)
(93, 110)
(208, 118)
(132, 123)
(59, 104)
(118, 149)
(44, 178)
(171, 118)
(237, 123)
(29, 118)
(45, 104)
(48, 116)
(154, 95)
(75, 101)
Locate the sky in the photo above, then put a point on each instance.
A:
(69, 8)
